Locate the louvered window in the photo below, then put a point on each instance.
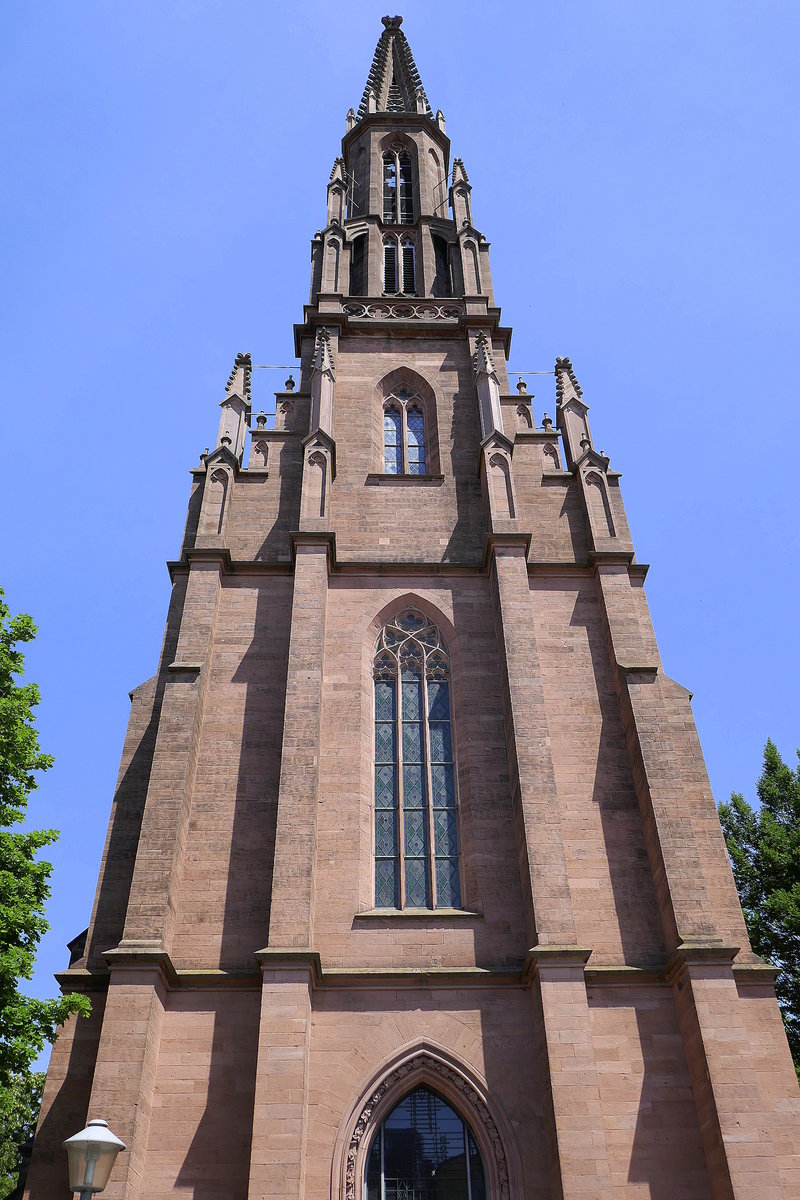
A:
(416, 820)
(409, 274)
(390, 266)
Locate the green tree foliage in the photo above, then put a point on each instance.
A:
(25, 1023)
(764, 846)
(19, 1109)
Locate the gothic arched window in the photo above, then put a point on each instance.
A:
(398, 187)
(416, 821)
(404, 448)
(424, 1150)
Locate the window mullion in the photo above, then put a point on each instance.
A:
(401, 857)
(404, 433)
(429, 787)
(467, 1161)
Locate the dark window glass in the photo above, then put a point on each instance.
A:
(424, 1151)
(442, 284)
(358, 257)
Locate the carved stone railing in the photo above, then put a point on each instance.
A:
(405, 310)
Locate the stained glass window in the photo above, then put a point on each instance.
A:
(416, 440)
(392, 441)
(424, 1150)
(404, 436)
(416, 819)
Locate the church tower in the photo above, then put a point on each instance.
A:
(414, 885)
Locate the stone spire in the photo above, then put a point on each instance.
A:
(572, 415)
(487, 386)
(235, 415)
(393, 82)
(323, 381)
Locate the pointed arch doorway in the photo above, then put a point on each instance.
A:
(426, 1068)
(424, 1150)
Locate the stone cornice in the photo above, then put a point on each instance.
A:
(275, 960)
(495, 541)
(303, 537)
(376, 567)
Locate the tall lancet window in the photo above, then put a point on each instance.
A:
(398, 187)
(416, 822)
(404, 449)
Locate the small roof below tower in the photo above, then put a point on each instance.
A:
(393, 78)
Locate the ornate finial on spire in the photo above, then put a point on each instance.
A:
(338, 170)
(393, 84)
(323, 354)
(261, 420)
(564, 367)
(239, 379)
(522, 386)
(459, 173)
(547, 423)
(483, 360)
(290, 384)
(585, 443)
(350, 119)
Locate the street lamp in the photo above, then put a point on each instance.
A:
(91, 1153)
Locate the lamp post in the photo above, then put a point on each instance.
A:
(92, 1153)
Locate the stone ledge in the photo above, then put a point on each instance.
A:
(290, 958)
(626, 975)
(567, 957)
(700, 954)
(411, 977)
(399, 915)
(379, 479)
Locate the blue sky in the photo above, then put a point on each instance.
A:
(635, 169)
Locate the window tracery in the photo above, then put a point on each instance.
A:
(416, 821)
(404, 442)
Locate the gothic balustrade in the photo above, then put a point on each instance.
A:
(405, 310)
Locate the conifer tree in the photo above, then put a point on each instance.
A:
(764, 846)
